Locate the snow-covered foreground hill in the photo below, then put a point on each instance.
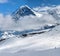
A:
(45, 44)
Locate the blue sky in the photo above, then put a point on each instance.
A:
(8, 6)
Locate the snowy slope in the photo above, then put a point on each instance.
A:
(37, 45)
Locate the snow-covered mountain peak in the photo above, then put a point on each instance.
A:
(25, 6)
(22, 11)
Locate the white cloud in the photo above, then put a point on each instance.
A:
(26, 23)
(3, 1)
(44, 8)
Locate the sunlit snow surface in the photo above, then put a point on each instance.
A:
(45, 44)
